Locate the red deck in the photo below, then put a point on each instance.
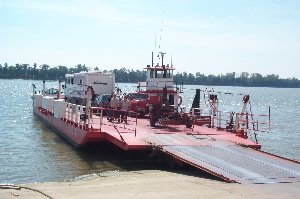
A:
(218, 152)
(132, 136)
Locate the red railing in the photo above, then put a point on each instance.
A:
(115, 116)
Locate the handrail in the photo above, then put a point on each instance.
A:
(114, 115)
(218, 118)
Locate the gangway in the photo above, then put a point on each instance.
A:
(218, 152)
(227, 160)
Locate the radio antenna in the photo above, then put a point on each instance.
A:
(158, 44)
(155, 43)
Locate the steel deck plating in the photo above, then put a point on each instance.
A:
(217, 152)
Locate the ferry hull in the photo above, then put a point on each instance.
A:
(220, 153)
(69, 130)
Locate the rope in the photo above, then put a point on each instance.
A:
(12, 186)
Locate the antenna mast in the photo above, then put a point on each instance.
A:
(155, 43)
(152, 59)
(162, 58)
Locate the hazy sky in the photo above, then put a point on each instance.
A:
(210, 37)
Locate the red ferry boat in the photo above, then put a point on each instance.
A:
(205, 141)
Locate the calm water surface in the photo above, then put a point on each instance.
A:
(30, 151)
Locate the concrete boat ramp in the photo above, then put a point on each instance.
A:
(220, 153)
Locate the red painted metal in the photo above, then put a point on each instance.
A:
(157, 91)
(134, 131)
(218, 152)
(77, 135)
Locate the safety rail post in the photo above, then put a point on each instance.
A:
(89, 117)
(247, 121)
(135, 125)
(101, 117)
(219, 119)
(59, 90)
(241, 121)
(76, 113)
(216, 119)
(212, 116)
(230, 119)
(193, 126)
(70, 112)
(67, 111)
(80, 112)
(73, 112)
(113, 115)
(237, 120)
(84, 119)
(125, 118)
(44, 88)
(136, 119)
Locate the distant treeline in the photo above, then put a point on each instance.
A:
(123, 75)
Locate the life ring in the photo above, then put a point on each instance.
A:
(246, 98)
(179, 100)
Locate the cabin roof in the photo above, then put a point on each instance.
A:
(89, 73)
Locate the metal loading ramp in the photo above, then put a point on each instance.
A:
(227, 161)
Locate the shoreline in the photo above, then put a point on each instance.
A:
(150, 184)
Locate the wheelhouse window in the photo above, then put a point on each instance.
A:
(163, 73)
(169, 73)
(151, 73)
(160, 73)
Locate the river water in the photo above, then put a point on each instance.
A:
(31, 152)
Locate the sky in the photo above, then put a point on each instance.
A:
(211, 37)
